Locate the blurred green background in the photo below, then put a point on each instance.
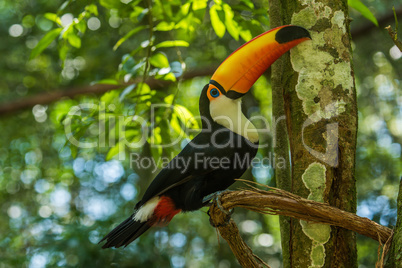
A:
(57, 201)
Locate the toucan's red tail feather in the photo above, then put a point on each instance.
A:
(130, 229)
(125, 233)
(164, 211)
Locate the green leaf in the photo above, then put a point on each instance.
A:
(110, 4)
(45, 42)
(128, 63)
(231, 25)
(130, 134)
(185, 9)
(166, 134)
(166, 77)
(110, 97)
(183, 114)
(159, 60)
(199, 4)
(175, 124)
(126, 91)
(137, 67)
(246, 35)
(164, 26)
(81, 26)
(172, 43)
(128, 35)
(169, 77)
(135, 14)
(74, 151)
(143, 89)
(156, 139)
(175, 2)
(66, 31)
(63, 50)
(248, 3)
(363, 9)
(74, 40)
(216, 22)
(142, 14)
(92, 9)
(117, 149)
(107, 82)
(169, 99)
(53, 17)
(64, 5)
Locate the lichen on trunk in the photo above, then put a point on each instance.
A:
(320, 106)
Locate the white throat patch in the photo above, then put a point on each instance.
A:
(227, 112)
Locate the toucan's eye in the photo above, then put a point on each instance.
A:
(214, 93)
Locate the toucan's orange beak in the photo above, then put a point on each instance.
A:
(243, 67)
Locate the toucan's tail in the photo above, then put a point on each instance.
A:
(156, 211)
(125, 233)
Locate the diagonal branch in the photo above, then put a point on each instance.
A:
(49, 97)
(229, 231)
(280, 202)
(394, 34)
(394, 38)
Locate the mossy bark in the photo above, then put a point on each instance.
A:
(316, 88)
(280, 139)
(395, 254)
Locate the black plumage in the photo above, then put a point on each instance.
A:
(216, 157)
(224, 148)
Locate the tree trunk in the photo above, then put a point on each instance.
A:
(280, 137)
(318, 94)
(395, 254)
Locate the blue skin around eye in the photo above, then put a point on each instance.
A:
(214, 92)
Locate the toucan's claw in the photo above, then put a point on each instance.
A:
(216, 196)
(206, 200)
(218, 203)
(211, 197)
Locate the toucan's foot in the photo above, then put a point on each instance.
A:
(218, 203)
(213, 196)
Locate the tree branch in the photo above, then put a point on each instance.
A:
(280, 202)
(49, 97)
(394, 38)
(394, 34)
(229, 231)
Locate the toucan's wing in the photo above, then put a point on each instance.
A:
(187, 164)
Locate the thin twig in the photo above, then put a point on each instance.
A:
(394, 34)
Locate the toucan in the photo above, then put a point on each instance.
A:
(224, 148)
